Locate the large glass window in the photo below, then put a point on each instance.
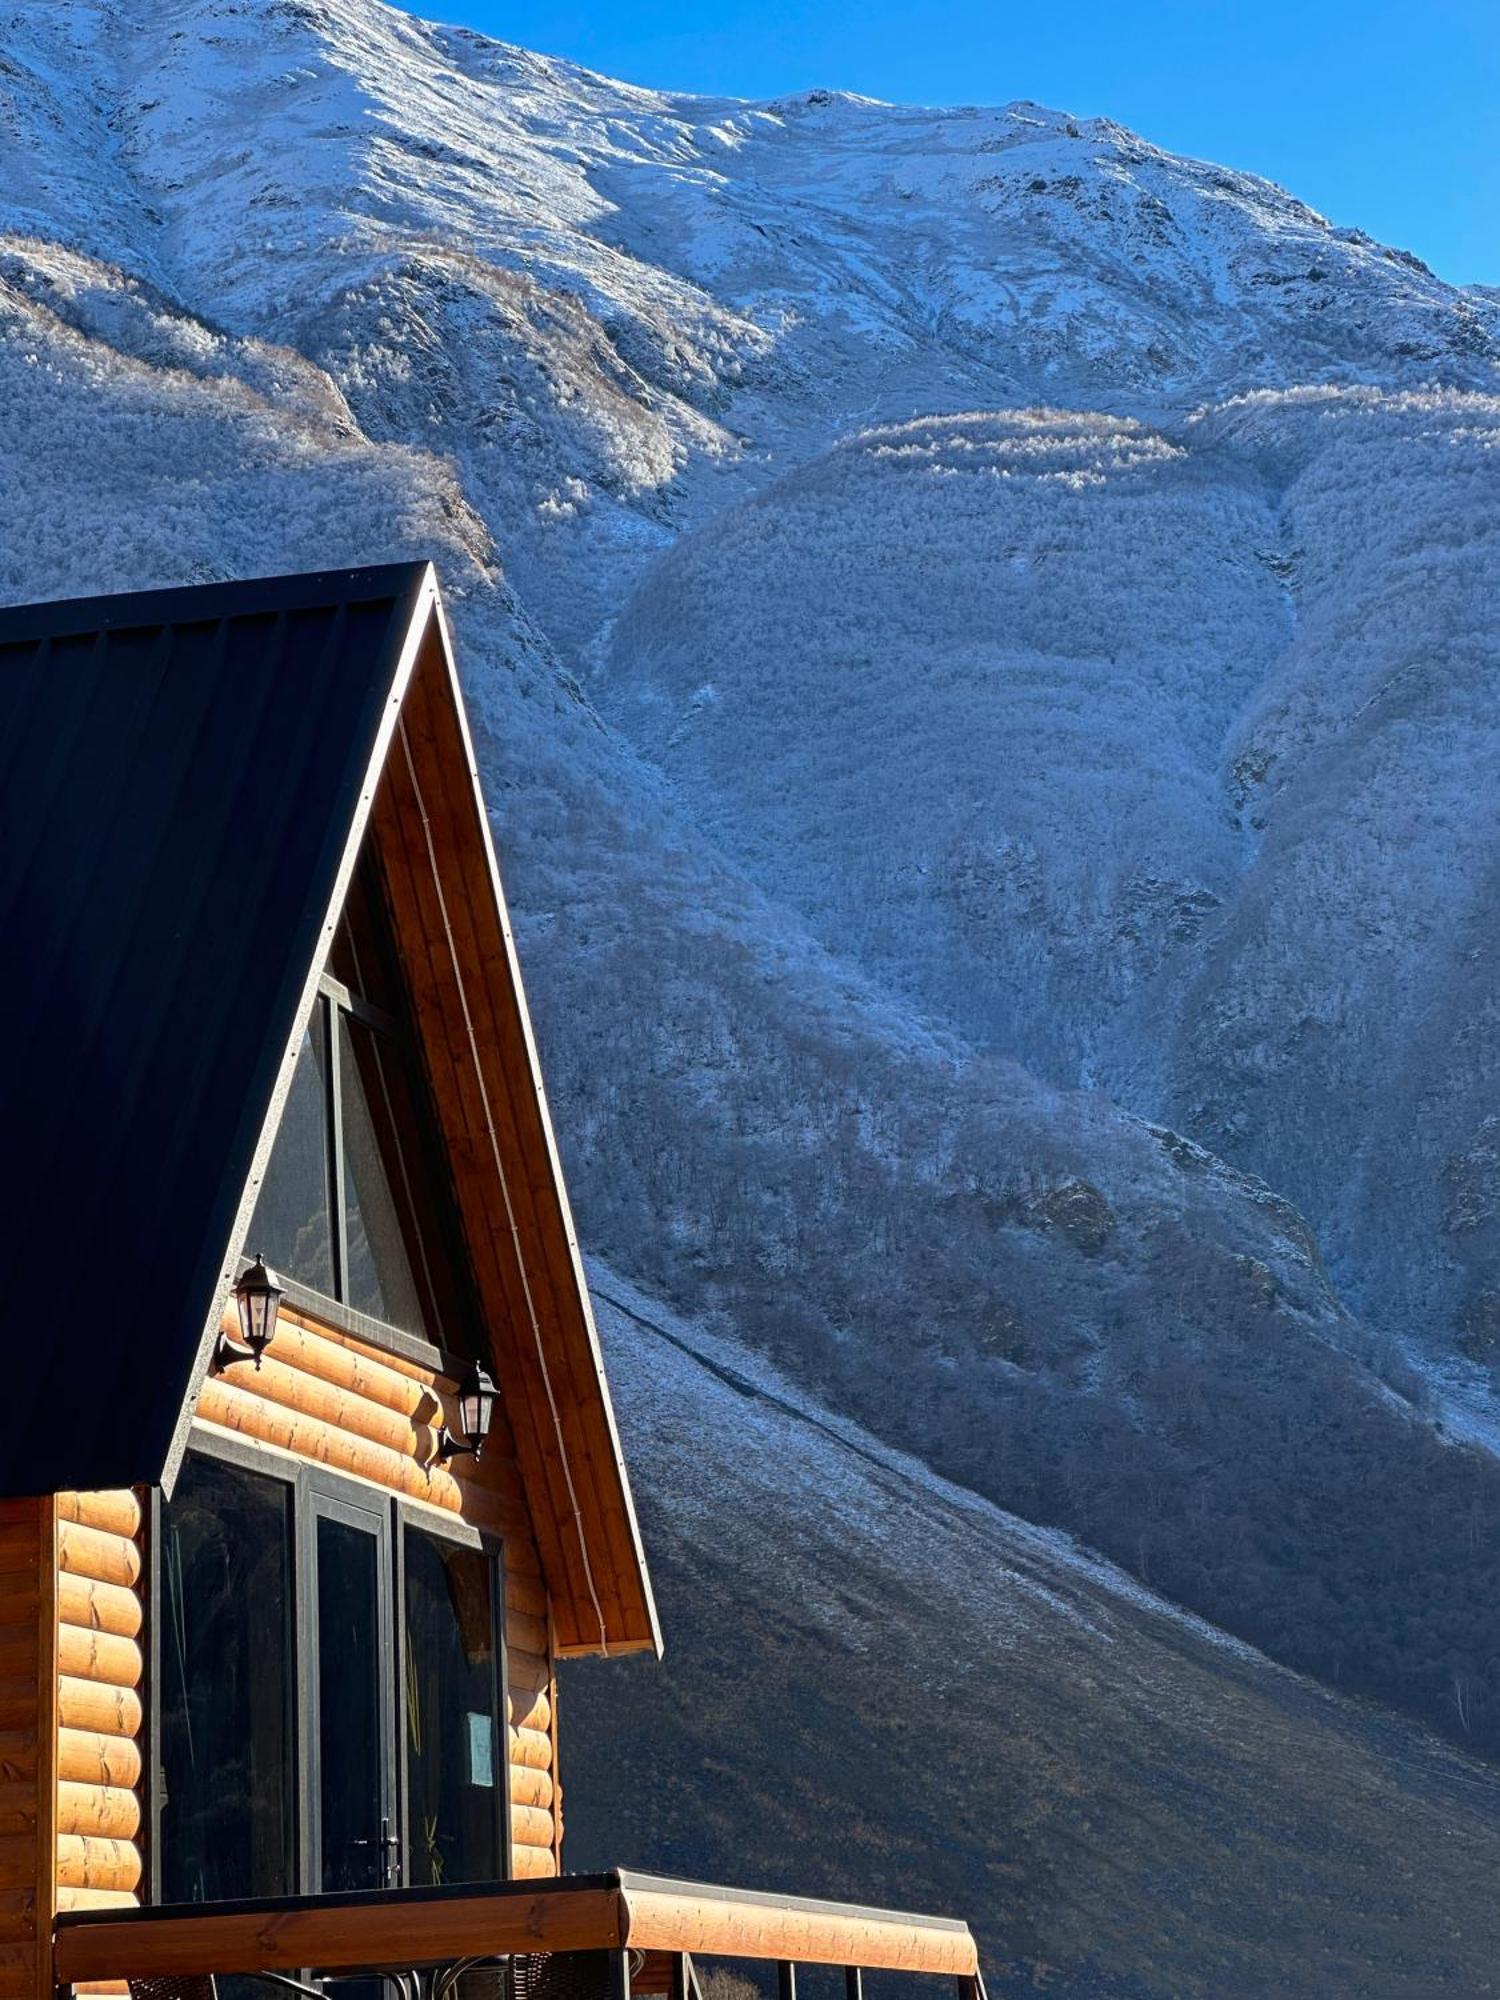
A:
(455, 1748)
(345, 1734)
(337, 1209)
(380, 1273)
(293, 1225)
(227, 1789)
(358, 1202)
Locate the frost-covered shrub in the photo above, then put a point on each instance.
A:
(1160, 761)
(119, 474)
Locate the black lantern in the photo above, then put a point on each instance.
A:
(477, 1397)
(257, 1299)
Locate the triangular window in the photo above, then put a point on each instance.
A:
(357, 1203)
(379, 1279)
(292, 1227)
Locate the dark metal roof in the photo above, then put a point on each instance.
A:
(181, 773)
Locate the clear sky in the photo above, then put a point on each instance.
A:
(1385, 115)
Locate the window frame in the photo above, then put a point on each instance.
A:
(244, 1458)
(314, 1489)
(323, 1496)
(426, 1213)
(333, 999)
(364, 958)
(462, 1535)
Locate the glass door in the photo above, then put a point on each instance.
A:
(457, 1788)
(225, 1687)
(353, 1841)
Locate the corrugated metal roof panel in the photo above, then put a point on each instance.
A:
(180, 772)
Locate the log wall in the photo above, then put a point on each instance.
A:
(73, 1617)
(324, 1396)
(100, 1676)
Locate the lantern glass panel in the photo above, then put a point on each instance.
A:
(476, 1403)
(257, 1303)
(469, 1413)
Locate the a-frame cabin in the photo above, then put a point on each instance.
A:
(308, 1471)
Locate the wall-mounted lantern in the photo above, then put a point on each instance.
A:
(477, 1397)
(257, 1299)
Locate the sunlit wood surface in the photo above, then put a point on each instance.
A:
(421, 1927)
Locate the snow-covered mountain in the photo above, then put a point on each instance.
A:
(982, 637)
(1162, 756)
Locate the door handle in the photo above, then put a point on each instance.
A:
(390, 1849)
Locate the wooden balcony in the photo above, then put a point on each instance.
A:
(650, 1928)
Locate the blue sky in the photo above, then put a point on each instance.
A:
(1382, 115)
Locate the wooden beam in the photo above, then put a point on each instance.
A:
(335, 1933)
(727, 1923)
(403, 1928)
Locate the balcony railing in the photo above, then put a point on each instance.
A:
(640, 1932)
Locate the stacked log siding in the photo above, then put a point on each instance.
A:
(322, 1395)
(73, 1619)
(100, 1667)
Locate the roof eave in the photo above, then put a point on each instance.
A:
(640, 1632)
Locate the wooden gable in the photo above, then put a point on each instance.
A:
(186, 781)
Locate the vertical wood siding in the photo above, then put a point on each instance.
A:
(326, 1397)
(28, 1678)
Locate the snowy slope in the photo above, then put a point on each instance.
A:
(929, 816)
(1128, 1804)
(1162, 757)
